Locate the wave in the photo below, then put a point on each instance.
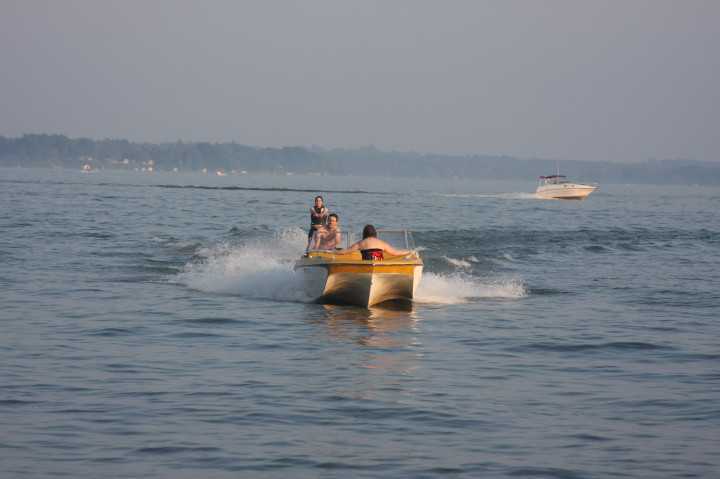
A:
(509, 196)
(275, 189)
(458, 288)
(177, 246)
(313, 190)
(588, 347)
(259, 267)
(461, 263)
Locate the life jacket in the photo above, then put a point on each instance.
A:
(372, 254)
(317, 220)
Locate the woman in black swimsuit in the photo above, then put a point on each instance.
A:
(371, 247)
(318, 216)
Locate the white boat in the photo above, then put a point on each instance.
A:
(331, 278)
(556, 186)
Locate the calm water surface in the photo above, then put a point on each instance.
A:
(151, 326)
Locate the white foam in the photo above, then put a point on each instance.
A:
(516, 195)
(456, 289)
(461, 263)
(159, 239)
(262, 268)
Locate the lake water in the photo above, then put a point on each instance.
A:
(152, 326)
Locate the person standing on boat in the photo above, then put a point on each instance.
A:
(371, 247)
(318, 216)
(328, 236)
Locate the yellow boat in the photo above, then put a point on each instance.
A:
(331, 278)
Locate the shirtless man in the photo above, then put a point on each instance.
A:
(328, 237)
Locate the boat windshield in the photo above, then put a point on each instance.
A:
(553, 180)
(398, 239)
(322, 240)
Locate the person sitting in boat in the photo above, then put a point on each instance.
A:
(328, 236)
(318, 216)
(371, 247)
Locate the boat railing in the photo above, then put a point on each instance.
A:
(326, 240)
(553, 180)
(322, 240)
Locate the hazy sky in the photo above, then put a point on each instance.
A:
(615, 80)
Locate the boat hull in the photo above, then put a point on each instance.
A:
(565, 191)
(347, 279)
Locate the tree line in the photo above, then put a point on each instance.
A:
(59, 151)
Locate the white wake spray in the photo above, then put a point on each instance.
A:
(262, 268)
(459, 288)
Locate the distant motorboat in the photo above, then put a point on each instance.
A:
(220, 173)
(330, 278)
(557, 187)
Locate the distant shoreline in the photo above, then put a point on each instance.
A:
(59, 151)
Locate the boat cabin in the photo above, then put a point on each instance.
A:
(552, 180)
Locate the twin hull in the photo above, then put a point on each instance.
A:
(347, 279)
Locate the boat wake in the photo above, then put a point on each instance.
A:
(457, 289)
(507, 196)
(258, 267)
